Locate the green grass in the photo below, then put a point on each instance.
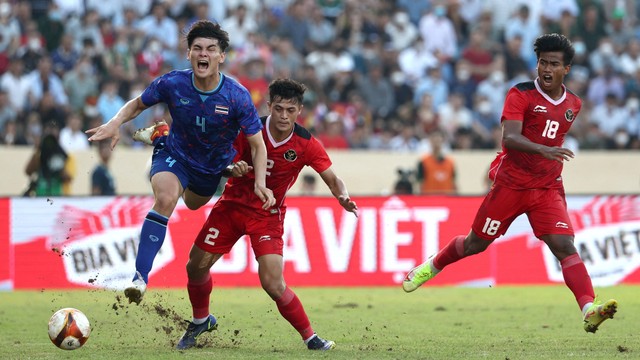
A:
(366, 323)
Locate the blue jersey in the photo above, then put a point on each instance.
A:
(205, 124)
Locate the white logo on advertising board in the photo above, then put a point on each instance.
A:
(108, 259)
(610, 253)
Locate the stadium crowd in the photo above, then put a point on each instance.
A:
(382, 74)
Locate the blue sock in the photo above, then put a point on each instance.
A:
(154, 229)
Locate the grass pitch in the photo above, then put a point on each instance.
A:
(366, 323)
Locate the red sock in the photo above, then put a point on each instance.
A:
(199, 292)
(291, 309)
(577, 279)
(451, 253)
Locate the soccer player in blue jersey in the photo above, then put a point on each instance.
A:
(208, 110)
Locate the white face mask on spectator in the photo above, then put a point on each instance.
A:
(484, 107)
(580, 48)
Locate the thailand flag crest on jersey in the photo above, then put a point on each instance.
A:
(221, 109)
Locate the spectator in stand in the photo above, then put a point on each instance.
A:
(479, 56)
(342, 83)
(426, 115)
(484, 121)
(439, 37)
(72, 138)
(160, 27)
(515, 64)
(16, 83)
(270, 24)
(127, 26)
(372, 85)
(334, 136)
(494, 88)
(433, 84)
(102, 182)
(109, 102)
(12, 134)
(253, 77)
(402, 91)
(9, 33)
(618, 31)
(436, 171)
(605, 83)
(151, 60)
(590, 26)
(240, 25)
(52, 27)
(609, 116)
(87, 28)
(401, 31)
(65, 56)
(630, 57)
(31, 48)
(120, 64)
(44, 80)
(454, 115)
(286, 59)
(7, 112)
(604, 56)
(406, 140)
(463, 83)
(521, 24)
(321, 30)
(295, 25)
(415, 8)
(80, 83)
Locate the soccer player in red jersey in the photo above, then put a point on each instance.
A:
(527, 179)
(290, 147)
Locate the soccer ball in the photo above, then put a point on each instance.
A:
(69, 328)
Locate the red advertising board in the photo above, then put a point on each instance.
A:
(92, 242)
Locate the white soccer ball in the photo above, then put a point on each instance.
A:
(69, 328)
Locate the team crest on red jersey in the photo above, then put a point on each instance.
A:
(569, 115)
(290, 155)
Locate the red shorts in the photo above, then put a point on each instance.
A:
(228, 222)
(545, 208)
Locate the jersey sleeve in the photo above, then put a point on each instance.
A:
(248, 118)
(515, 105)
(317, 155)
(154, 93)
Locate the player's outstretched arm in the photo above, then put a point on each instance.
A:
(339, 190)
(111, 129)
(512, 138)
(259, 159)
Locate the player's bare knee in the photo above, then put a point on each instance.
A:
(560, 246)
(165, 203)
(474, 245)
(273, 287)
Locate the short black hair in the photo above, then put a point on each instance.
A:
(286, 89)
(555, 42)
(210, 30)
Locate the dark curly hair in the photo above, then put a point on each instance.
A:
(210, 30)
(555, 42)
(286, 89)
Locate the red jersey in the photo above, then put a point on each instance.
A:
(544, 121)
(285, 160)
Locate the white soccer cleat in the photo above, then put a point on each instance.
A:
(149, 134)
(136, 290)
